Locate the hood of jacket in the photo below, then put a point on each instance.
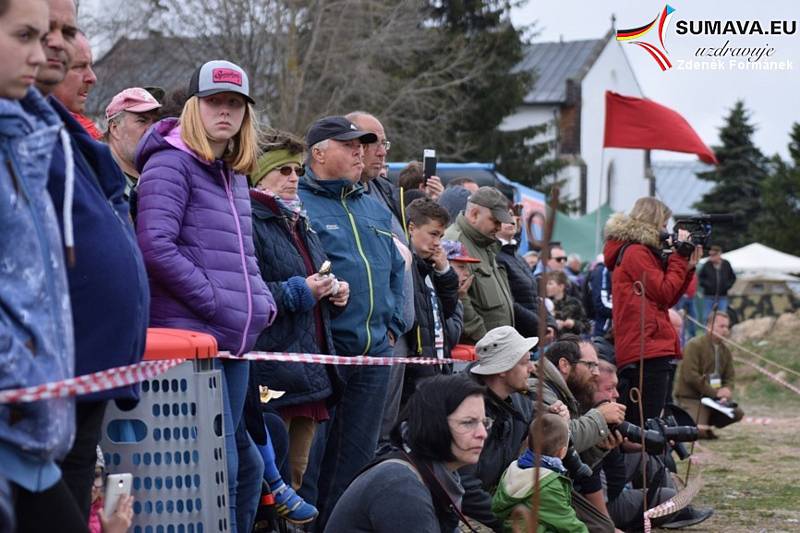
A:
(553, 378)
(621, 230)
(20, 117)
(163, 135)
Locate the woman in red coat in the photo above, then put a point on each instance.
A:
(634, 253)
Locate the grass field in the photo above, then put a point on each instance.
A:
(751, 472)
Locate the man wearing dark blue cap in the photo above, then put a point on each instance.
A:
(356, 233)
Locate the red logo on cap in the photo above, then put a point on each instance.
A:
(226, 75)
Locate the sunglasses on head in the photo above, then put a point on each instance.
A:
(287, 170)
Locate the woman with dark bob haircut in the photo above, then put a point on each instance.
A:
(417, 487)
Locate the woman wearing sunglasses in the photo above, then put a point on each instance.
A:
(290, 257)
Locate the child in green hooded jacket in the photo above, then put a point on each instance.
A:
(555, 502)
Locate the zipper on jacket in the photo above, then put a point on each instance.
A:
(383, 232)
(16, 182)
(249, 290)
(366, 264)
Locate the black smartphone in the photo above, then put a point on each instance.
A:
(428, 164)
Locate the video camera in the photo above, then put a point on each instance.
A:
(699, 228)
(658, 432)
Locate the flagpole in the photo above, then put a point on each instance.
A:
(598, 228)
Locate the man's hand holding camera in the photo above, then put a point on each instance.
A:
(613, 413)
(613, 440)
(687, 249)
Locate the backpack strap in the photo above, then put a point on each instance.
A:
(442, 502)
(621, 252)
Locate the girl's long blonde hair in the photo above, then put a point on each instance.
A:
(242, 153)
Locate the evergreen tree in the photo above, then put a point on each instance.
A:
(779, 223)
(737, 180)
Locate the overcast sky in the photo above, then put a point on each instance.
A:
(703, 98)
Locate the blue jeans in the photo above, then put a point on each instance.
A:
(234, 388)
(352, 435)
(249, 481)
(708, 302)
(689, 329)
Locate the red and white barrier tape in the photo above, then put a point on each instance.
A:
(683, 498)
(89, 383)
(128, 375)
(770, 375)
(322, 359)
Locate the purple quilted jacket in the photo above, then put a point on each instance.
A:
(195, 231)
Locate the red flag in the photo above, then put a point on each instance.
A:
(640, 123)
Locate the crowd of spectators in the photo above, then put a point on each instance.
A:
(190, 217)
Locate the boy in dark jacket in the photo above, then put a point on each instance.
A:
(435, 290)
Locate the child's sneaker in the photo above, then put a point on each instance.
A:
(290, 506)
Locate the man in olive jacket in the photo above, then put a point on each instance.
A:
(488, 303)
(570, 375)
(707, 371)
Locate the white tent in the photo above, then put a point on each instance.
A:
(758, 258)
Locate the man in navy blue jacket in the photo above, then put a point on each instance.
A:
(105, 271)
(356, 233)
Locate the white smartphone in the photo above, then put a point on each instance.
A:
(116, 485)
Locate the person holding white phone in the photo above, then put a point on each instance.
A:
(112, 504)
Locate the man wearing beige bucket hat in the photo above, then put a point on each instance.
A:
(504, 366)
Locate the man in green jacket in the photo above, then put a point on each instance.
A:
(706, 371)
(488, 303)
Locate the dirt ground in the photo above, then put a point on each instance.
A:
(750, 474)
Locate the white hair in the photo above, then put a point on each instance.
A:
(321, 146)
(574, 257)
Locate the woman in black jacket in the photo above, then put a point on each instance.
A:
(289, 257)
(522, 283)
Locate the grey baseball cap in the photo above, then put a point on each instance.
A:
(500, 349)
(219, 77)
(493, 200)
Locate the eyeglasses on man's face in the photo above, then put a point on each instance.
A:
(387, 145)
(469, 425)
(591, 365)
(562, 259)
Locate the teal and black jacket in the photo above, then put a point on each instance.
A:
(356, 234)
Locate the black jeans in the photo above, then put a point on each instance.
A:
(655, 388)
(51, 510)
(77, 468)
